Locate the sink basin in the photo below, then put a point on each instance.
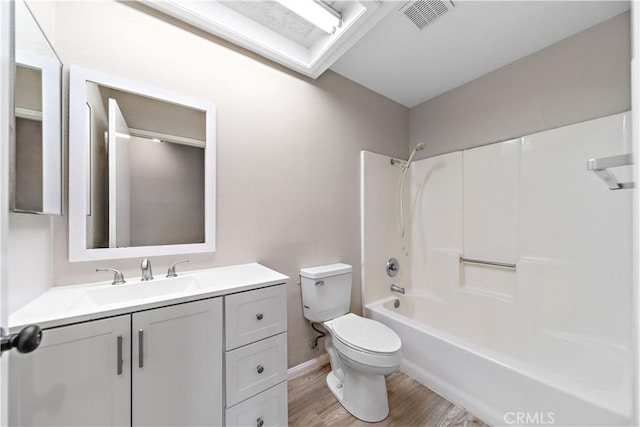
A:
(115, 294)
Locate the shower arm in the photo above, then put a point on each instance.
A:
(400, 195)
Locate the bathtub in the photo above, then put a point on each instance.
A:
(546, 380)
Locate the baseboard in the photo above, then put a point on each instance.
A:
(309, 365)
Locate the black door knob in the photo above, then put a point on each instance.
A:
(27, 340)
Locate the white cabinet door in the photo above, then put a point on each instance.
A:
(79, 376)
(177, 365)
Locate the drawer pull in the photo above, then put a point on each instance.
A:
(259, 422)
(260, 369)
(259, 316)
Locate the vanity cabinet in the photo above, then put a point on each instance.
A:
(156, 367)
(177, 365)
(73, 379)
(206, 349)
(256, 357)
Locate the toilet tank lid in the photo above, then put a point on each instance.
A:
(325, 270)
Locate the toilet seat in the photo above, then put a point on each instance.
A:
(365, 341)
(365, 334)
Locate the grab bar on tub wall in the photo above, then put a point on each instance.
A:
(601, 168)
(479, 261)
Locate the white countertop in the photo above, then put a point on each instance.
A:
(72, 304)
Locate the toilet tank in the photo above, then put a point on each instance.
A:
(326, 291)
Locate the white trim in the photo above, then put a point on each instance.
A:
(6, 135)
(635, 148)
(307, 366)
(168, 138)
(78, 125)
(28, 114)
(363, 272)
(51, 72)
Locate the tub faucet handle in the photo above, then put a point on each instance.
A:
(393, 267)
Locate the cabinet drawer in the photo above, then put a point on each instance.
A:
(254, 315)
(256, 367)
(267, 409)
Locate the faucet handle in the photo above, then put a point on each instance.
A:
(118, 278)
(171, 272)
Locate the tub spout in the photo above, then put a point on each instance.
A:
(396, 288)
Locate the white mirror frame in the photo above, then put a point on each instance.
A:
(78, 154)
(52, 149)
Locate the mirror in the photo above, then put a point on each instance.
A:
(37, 151)
(141, 170)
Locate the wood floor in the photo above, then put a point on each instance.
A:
(311, 404)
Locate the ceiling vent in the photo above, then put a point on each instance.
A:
(424, 12)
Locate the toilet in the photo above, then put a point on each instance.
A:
(362, 351)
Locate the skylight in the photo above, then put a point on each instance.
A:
(307, 36)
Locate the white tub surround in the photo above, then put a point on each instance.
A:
(79, 303)
(556, 325)
(379, 235)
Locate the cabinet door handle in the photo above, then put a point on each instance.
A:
(259, 422)
(260, 369)
(140, 348)
(259, 316)
(119, 354)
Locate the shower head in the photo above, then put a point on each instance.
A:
(419, 147)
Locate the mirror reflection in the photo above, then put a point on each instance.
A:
(146, 174)
(141, 169)
(37, 153)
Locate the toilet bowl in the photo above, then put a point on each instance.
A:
(362, 351)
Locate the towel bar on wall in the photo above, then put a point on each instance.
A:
(479, 261)
(601, 168)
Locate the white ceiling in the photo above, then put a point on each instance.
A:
(411, 66)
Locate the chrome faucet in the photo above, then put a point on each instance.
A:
(396, 288)
(118, 277)
(145, 266)
(171, 272)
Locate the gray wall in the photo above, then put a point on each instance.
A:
(28, 141)
(579, 78)
(167, 193)
(28, 165)
(288, 147)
